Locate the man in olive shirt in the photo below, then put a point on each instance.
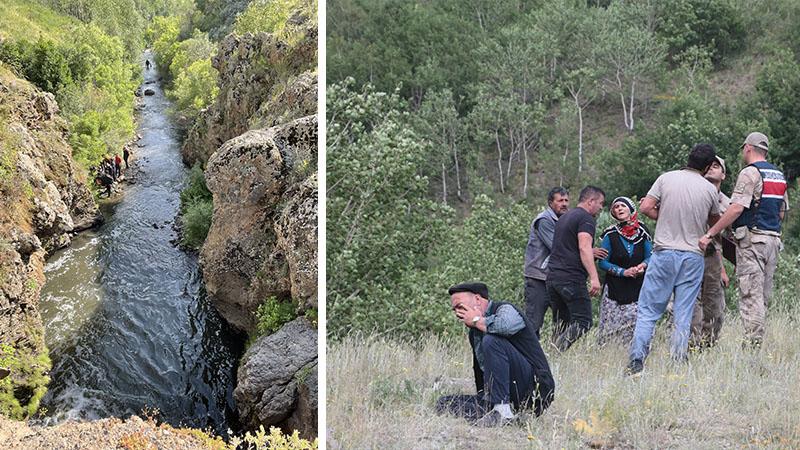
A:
(682, 202)
(756, 212)
(709, 311)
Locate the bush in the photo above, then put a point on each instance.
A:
(271, 15)
(196, 223)
(273, 314)
(47, 67)
(714, 25)
(196, 208)
(195, 88)
(21, 392)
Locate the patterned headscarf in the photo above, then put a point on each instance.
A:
(630, 229)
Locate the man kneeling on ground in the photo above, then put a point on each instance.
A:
(511, 370)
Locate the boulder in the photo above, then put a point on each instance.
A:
(277, 380)
(263, 237)
(149, 91)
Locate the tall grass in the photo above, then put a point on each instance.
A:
(381, 395)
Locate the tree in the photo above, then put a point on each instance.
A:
(629, 54)
(439, 122)
(381, 223)
(511, 97)
(777, 96)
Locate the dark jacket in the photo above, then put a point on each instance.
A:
(526, 342)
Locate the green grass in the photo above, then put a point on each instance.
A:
(20, 19)
(381, 391)
(381, 395)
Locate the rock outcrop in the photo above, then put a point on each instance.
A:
(43, 199)
(277, 381)
(258, 143)
(264, 82)
(263, 237)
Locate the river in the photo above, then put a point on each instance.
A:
(125, 315)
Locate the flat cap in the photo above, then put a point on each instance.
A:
(476, 288)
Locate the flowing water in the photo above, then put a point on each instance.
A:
(125, 315)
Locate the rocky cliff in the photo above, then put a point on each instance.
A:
(43, 200)
(264, 82)
(258, 143)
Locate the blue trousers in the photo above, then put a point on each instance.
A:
(669, 271)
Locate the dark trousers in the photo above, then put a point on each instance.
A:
(536, 302)
(572, 311)
(508, 378)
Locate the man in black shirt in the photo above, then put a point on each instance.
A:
(571, 261)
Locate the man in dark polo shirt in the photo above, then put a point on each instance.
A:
(571, 261)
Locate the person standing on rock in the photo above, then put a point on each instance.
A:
(126, 153)
(117, 165)
(757, 208)
(147, 64)
(511, 370)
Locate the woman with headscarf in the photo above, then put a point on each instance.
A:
(629, 246)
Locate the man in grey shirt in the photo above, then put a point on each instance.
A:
(537, 255)
(683, 203)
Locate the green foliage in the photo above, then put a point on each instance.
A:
(196, 208)
(271, 15)
(47, 67)
(162, 34)
(21, 392)
(195, 88)
(714, 25)
(273, 314)
(196, 223)
(777, 96)
(682, 123)
(196, 189)
(382, 223)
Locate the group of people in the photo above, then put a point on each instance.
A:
(110, 169)
(696, 227)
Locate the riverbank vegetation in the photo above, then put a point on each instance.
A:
(444, 136)
(85, 53)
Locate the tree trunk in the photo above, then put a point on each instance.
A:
(444, 184)
(630, 110)
(458, 172)
(580, 132)
(525, 184)
(499, 160)
(622, 99)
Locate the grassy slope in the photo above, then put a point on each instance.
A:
(21, 19)
(381, 395)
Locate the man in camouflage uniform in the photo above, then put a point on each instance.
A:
(757, 207)
(709, 310)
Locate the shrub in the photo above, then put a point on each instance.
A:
(271, 15)
(275, 440)
(195, 88)
(273, 314)
(47, 67)
(21, 392)
(713, 24)
(196, 189)
(196, 223)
